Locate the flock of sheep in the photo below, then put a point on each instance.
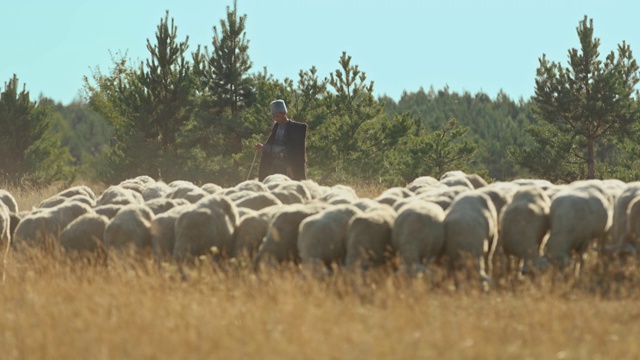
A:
(458, 217)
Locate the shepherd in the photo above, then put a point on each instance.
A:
(285, 150)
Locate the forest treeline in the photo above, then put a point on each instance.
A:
(195, 114)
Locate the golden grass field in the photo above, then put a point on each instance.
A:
(132, 308)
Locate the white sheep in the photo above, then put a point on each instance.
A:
(223, 203)
(108, 210)
(454, 178)
(280, 241)
(369, 238)
(42, 227)
(163, 233)
(620, 228)
(578, 216)
(287, 197)
(423, 183)
(118, 195)
(418, 234)
(322, 237)
(9, 200)
(211, 188)
(471, 233)
(298, 187)
(84, 234)
(130, 228)
(78, 190)
(203, 231)
(442, 196)
(5, 228)
(524, 226)
(158, 189)
(160, 205)
(251, 230)
(257, 200)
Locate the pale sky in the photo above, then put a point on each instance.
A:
(401, 45)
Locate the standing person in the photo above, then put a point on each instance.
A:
(285, 150)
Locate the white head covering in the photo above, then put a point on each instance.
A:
(278, 107)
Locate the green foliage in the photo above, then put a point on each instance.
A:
(338, 140)
(435, 152)
(84, 132)
(589, 102)
(224, 72)
(148, 107)
(30, 150)
(493, 125)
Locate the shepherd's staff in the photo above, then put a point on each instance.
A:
(255, 155)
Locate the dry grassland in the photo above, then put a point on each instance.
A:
(132, 308)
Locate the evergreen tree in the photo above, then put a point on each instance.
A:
(225, 71)
(148, 107)
(336, 144)
(227, 87)
(587, 102)
(31, 151)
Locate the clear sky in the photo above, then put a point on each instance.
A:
(401, 45)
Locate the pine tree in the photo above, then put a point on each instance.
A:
(31, 151)
(588, 102)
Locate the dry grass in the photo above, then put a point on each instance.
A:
(55, 308)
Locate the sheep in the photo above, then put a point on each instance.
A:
(251, 230)
(108, 210)
(298, 187)
(84, 234)
(190, 193)
(365, 204)
(160, 205)
(275, 180)
(457, 181)
(118, 195)
(57, 200)
(51, 202)
(9, 201)
(5, 228)
(43, 227)
(393, 195)
(454, 178)
(500, 194)
(620, 227)
(280, 241)
(131, 227)
(251, 185)
(78, 190)
(322, 237)
(423, 182)
(287, 196)
(163, 237)
(223, 203)
(211, 188)
(200, 231)
(418, 234)
(369, 238)
(258, 200)
(339, 194)
(578, 215)
(155, 190)
(541, 183)
(443, 196)
(471, 230)
(315, 190)
(524, 226)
